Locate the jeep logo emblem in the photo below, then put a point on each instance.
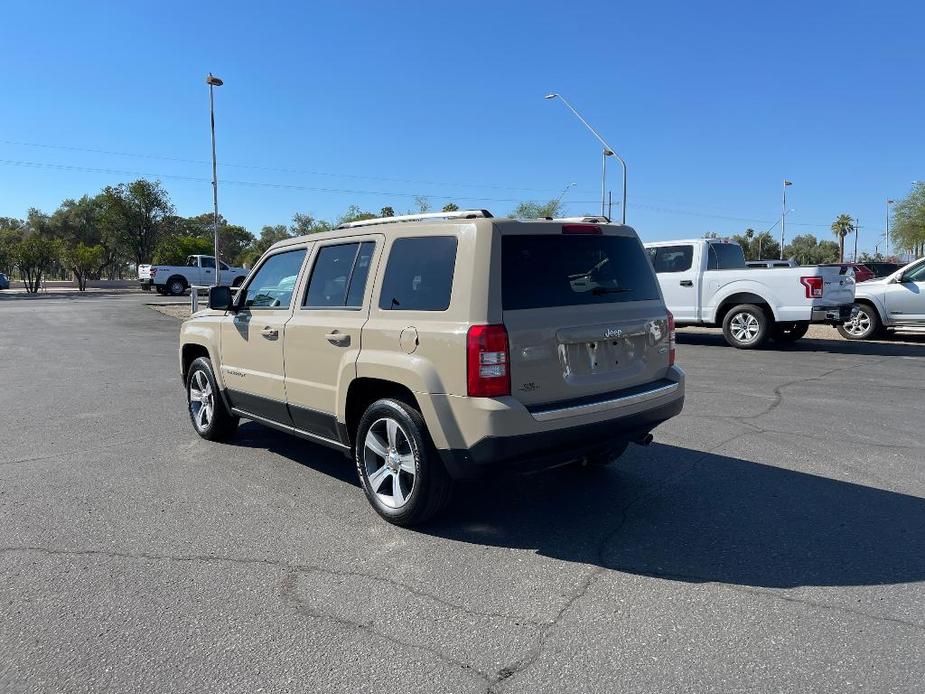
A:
(613, 332)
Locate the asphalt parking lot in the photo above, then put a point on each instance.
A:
(771, 539)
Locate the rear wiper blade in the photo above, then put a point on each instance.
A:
(597, 291)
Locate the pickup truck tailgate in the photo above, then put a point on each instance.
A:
(837, 285)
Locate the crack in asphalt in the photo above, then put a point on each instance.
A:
(285, 566)
(64, 454)
(287, 592)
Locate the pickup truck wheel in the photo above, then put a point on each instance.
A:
(789, 332)
(746, 326)
(176, 286)
(399, 468)
(863, 324)
(207, 411)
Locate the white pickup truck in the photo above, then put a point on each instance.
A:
(706, 282)
(199, 270)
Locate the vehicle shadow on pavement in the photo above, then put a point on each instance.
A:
(692, 516)
(311, 455)
(899, 346)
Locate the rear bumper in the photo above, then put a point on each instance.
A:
(831, 314)
(516, 438)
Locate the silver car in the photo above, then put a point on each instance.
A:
(895, 301)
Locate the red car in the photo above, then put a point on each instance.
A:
(862, 273)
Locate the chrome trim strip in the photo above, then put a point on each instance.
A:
(289, 429)
(594, 407)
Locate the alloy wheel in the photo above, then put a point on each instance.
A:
(201, 400)
(744, 327)
(859, 324)
(391, 468)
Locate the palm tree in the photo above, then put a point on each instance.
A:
(841, 227)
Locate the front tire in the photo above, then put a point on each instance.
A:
(207, 411)
(399, 468)
(789, 332)
(746, 326)
(864, 324)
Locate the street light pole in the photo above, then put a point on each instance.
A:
(889, 245)
(213, 81)
(783, 218)
(608, 151)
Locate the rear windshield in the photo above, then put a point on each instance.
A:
(548, 270)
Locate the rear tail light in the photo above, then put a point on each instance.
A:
(488, 361)
(671, 339)
(813, 286)
(581, 229)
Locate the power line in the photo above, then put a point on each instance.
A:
(255, 167)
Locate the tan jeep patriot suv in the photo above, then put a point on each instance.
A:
(435, 347)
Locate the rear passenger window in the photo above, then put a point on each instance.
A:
(725, 256)
(671, 258)
(339, 276)
(419, 274)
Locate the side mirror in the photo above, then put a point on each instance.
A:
(220, 299)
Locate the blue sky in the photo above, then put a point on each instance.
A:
(334, 103)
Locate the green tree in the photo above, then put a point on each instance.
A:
(173, 250)
(806, 249)
(140, 213)
(757, 245)
(354, 214)
(386, 212)
(304, 224)
(451, 207)
(11, 233)
(908, 224)
(35, 255)
(841, 227)
(535, 210)
(82, 260)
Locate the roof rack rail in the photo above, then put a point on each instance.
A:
(456, 214)
(587, 220)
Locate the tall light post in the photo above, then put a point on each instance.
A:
(783, 217)
(888, 244)
(608, 151)
(213, 82)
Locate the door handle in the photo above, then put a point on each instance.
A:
(338, 338)
(687, 283)
(269, 332)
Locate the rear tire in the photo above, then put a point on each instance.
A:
(864, 324)
(746, 326)
(176, 286)
(789, 332)
(400, 470)
(207, 411)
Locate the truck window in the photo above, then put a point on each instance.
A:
(419, 274)
(725, 256)
(671, 258)
(272, 285)
(339, 276)
(549, 270)
(206, 262)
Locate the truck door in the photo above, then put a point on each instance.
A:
(905, 299)
(674, 266)
(206, 271)
(252, 338)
